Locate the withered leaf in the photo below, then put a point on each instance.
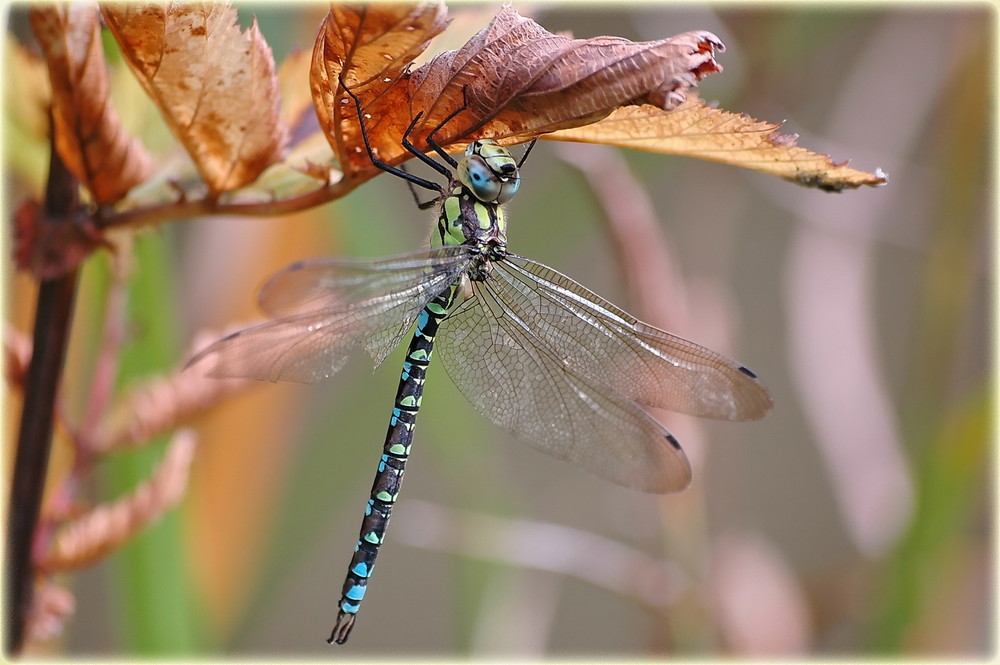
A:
(520, 79)
(214, 84)
(370, 46)
(97, 533)
(89, 136)
(308, 151)
(515, 78)
(696, 130)
(152, 408)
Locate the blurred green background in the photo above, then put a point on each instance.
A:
(855, 520)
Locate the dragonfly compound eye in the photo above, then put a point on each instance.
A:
(474, 173)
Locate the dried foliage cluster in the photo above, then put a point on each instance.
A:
(256, 144)
(253, 150)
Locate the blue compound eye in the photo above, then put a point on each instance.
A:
(508, 189)
(474, 173)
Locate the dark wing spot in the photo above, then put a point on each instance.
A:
(673, 442)
(298, 265)
(747, 372)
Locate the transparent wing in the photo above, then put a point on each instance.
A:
(322, 308)
(514, 379)
(610, 347)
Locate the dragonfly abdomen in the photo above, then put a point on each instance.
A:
(395, 452)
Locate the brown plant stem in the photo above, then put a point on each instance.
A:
(186, 208)
(53, 317)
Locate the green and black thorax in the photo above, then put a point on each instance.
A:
(471, 207)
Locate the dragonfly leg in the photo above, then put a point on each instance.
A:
(378, 163)
(427, 159)
(423, 205)
(531, 145)
(432, 142)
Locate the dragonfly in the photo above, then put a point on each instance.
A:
(535, 352)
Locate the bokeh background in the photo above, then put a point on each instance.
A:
(854, 520)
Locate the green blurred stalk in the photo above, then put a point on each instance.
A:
(949, 485)
(152, 587)
(951, 447)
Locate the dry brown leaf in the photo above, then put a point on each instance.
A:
(215, 84)
(696, 130)
(371, 46)
(89, 136)
(107, 527)
(522, 80)
(515, 78)
(152, 408)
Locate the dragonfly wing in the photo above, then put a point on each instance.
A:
(515, 381)
(323, 308)
(313, 284)
(607, 345)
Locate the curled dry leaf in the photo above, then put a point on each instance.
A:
(214, 84)
(696, 130)
(107, 527)
(89, 136)
(162, 404)
(370, 46)
(514, 78)
(521, 80)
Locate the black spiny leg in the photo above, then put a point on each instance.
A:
(531, 145)
(436, 147)
(423, 205)
(378, 163)
(434, 144)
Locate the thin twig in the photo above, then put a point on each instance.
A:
(184, 209)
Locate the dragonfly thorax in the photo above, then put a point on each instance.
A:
(472, 212)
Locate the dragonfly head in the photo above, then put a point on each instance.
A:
(489, 171)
